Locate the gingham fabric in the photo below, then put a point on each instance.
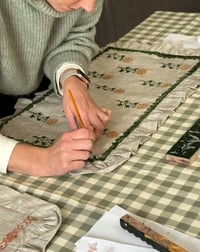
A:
(158, 25)
(146, 185)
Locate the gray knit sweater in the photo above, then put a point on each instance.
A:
(35, 39)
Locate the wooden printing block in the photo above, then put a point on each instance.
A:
(187, 148)
(158, 241)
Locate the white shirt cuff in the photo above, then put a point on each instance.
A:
(60, 70)
(6, 147)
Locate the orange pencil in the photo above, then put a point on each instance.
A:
(78, 115)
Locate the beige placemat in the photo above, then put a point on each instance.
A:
(142, 87)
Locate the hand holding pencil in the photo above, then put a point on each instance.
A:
(96, 118)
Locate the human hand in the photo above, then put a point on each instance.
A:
(68, 153)
(93, 117)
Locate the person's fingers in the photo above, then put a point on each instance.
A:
(104, 115)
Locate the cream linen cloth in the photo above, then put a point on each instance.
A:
(27, 224)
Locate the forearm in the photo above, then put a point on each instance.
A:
(68, 153)
(28, 159)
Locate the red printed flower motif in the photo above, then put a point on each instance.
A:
(127, 59)
(142, 106)
(108, 77)
(92, 247)
(185, 67)
(112, 134)
(141, 71)
(164, 85)
(52, 121)
(119, 90)
(15, 232)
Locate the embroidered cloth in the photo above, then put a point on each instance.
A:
(142, 87)
(27, 223)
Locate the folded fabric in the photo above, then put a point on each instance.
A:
(27, 223)
(186, 41)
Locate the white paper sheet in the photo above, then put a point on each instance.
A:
(187, 42)
(87, 244)
(108, 236)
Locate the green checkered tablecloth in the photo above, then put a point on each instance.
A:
(158, 25)
(146, 185)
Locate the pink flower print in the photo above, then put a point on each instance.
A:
(111, 249)
(92, 247)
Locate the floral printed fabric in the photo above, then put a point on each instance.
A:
(141, 87)
(27, 223)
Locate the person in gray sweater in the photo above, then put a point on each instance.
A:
(55, 39)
